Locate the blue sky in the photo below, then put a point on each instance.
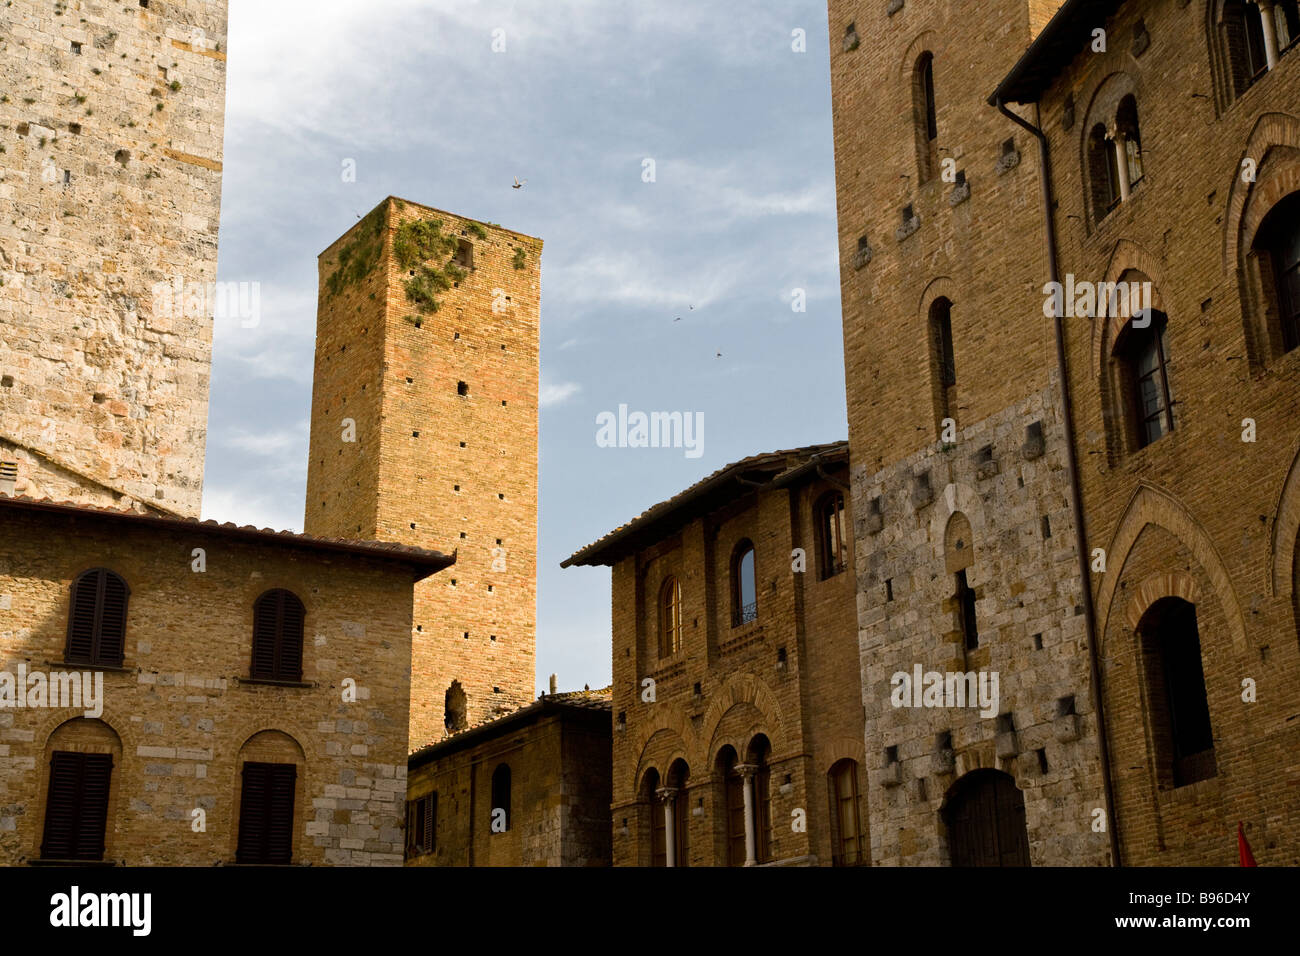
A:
(741, 214)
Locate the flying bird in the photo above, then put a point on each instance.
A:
(519, 184)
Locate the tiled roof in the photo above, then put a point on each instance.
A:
(422, 558)
(723, 484)
(597, 701)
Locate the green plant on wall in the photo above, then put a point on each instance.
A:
(520, 262)
(359, 257)
(415, 243)
(476, 230)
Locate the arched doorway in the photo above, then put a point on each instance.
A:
(985, 817)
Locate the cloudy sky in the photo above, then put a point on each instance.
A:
(741, 214)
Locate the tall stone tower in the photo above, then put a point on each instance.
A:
(424, 432)
(110, 191)
(966, 551)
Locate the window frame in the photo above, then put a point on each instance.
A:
(422, 826)
(743, 612)
(97, 655)
(274, 844)
(1134, 347)
(67, 789)
(269, 661)
(832, 548)
(670, 616)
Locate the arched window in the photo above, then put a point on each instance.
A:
(1143, 359)
(1103, 173)
(985, 819)
(1286, 20)
(964, 599)
(1277, 246)
(670, 617)
(1180, 709)
(277, 636)
(1126, 123)
(266, 802)
(849, 846)
(658, 825)
(744, 587)
(760, 752)
(97, 619)
(832, 548)
(925, 118)
(500, 815)
(679, 775)
(80, 754)
(1242, 34)
(270, 763)
(943, 364)
(732, 802)
(454, 708)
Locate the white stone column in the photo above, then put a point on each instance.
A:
(1270, 31)
(668, 797)
(747, 772)
(1119, 142)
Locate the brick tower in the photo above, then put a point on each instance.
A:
(424, 432)
(110, 191)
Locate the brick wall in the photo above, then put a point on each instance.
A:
(1199, 503)
(433, 467)
(559, 813)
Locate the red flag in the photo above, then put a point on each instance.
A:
(1243, 848)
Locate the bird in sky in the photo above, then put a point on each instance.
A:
(519, 183)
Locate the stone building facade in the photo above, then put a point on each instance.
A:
(967, 562)
(111, 125)
(738, 720)
(1175, 156)
(424, 432)
(530, 788)
(193, 754)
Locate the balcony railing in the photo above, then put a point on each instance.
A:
(744, 614)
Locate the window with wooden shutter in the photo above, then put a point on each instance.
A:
(97, 619)
(501, 796)
(76, 806)
(277, 636)
(266, 814)
(422, 825)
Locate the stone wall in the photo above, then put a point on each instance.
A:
(182, 712)
(111, 124)
(1031, 635)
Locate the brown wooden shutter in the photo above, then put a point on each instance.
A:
(277, 637)
(76, 806)
(266, 813)
(112, 620)
(429, 840)
(80, 647)
(97, 619)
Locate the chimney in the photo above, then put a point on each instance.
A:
(552, 685)
(8, 477)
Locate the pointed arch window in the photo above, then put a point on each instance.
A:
(744, 586)
(1278, 249)
(1180, 707)
(670, 617)
(943, 362)
(925, 118)
(1143, 357)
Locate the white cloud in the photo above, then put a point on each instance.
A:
(556, 394)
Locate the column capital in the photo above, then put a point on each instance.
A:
(667, 794)
(747, 769)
